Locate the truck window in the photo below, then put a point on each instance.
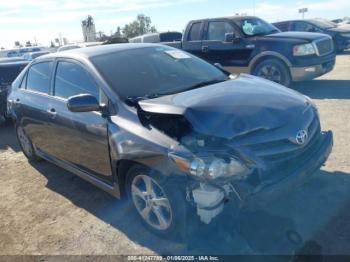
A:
(218, 30)
(195, 32)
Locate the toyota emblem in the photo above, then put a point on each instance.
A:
(301, 137)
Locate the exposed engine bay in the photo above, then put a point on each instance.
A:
(209, 199)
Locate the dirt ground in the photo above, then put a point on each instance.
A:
(45, 210)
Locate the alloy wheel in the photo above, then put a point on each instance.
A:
(151, 202)
(25, 142)
(270, 72)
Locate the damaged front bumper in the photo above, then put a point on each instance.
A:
(303, 172)
(210, 199)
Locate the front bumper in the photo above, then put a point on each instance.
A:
(311, 72)
(269, 191)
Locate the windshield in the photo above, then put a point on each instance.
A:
(155, 71)
(256, 26)
(324, 24)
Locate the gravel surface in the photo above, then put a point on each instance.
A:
(45, 210)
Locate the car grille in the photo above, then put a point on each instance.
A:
(282, 156)
(324, 46)
(282, 150)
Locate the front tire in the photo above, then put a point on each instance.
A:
(158, 201)
(26, 145)
(273, 70)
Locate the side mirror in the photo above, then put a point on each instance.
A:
(229, 37)
(83, 103)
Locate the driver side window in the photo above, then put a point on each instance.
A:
(218, 30)
(71, 79)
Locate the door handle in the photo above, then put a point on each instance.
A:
(52, 112)
(205, 49)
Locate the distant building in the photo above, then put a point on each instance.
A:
(89, 30)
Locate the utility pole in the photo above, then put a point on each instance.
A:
(302, 11)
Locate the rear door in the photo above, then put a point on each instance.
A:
(216, 50)
(80, 139)
(193, 39)
(30, 103)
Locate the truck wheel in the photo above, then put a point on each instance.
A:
(273, 70)
(26, 145)
(158, 201)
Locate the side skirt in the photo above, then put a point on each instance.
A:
(111, 189)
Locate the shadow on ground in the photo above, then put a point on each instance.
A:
(8, 137)
(324, 89)
(297, 221)
(312, 218)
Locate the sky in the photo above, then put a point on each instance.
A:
(43, 20)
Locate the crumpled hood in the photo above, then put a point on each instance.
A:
(234, 107)
(296, 35)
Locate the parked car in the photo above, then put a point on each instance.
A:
(157, 37)
(11, 59)
(115, 40)
(20, 51)
(8, 73)
(247, 44)
(79, 45)
(339, 34)
(32, 55)
(341, 22)
(166, 129)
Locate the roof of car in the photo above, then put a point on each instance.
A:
(236, 18)
(89, 52)
(296, 20)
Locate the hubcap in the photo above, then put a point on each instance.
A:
(151, 202)
(24, 141)
(271, 73)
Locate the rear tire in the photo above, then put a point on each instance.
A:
(26, 145)
(273, 70)
(158, 201)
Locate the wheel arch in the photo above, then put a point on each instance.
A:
(269, 55)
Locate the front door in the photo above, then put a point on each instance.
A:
(217, 50)
(80, 139)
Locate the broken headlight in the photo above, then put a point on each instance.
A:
(211, 167)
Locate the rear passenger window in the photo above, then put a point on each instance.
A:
(38, 78)
(71, 79)
(195, 32)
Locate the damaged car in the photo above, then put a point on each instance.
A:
(177, 136)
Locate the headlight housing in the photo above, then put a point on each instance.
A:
(304, 49)
(211, 167)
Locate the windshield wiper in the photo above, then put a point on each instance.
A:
(204, 83)
(132, 100)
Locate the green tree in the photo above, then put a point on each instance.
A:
(140, 26)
